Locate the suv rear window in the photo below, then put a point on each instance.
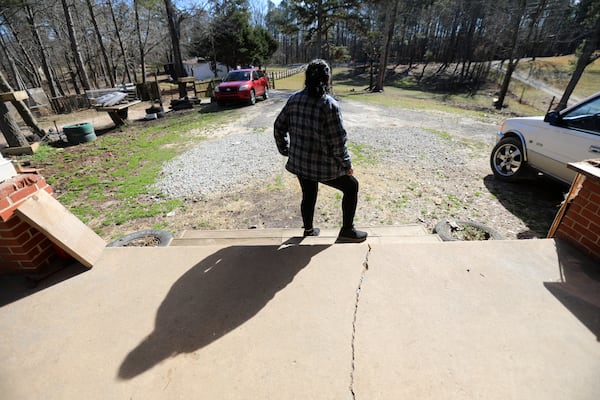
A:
(237, 76)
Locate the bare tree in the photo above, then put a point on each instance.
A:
(107, 65)
(521, 16)
(8, 126)
(586, 57)
(391, 12)
(140, 41)
(21, 108)
(28, 64)
(43, 52)
(120, 40)
(83, 76)
(174, 31)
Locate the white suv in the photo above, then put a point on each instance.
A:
(547, 144)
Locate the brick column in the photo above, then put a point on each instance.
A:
(578, 221)
(22, 247)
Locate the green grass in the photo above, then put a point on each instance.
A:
(439, 133)
(401, 201)
(363, 153)
(276, 186)
(478, 106)
(291, 83)
(405, 92)
(120, 168)
(557, 71)
(522, 99)
(453, 202)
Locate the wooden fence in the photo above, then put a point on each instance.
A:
(206, 87)
(273, 76)
(151, 91)
(68, 104)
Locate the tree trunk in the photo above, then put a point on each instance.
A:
(9, 128)
(11, 64)
(175, 36)
(83, 76)
(43, 53)
(22, 108)
(390, 23)
(512, 64)
(585, 58)
(140, 42)
(121, 45)
(73, 76)
(517, 51)
(319, 30)
(513, 60)
(35, 76)
(107, 66)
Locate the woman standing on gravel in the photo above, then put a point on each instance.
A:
(309, 130)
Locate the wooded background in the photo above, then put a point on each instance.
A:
(69, 46)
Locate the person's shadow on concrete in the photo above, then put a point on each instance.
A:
(214, 297)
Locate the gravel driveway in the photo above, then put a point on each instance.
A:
(413, 167)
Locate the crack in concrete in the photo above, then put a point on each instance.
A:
(356, 302)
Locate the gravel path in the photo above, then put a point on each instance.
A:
(413, 166)
(220, 165)
(230, 160)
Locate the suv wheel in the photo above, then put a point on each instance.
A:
(252, 100)
(507, 159)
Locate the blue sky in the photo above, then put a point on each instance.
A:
(201, 2)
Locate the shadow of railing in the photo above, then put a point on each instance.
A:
(579, 289)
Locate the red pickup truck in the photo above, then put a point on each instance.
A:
(242, 85)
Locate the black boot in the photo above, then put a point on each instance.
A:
(312, 232)
(351, 235)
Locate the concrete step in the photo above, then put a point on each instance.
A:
(379, 235)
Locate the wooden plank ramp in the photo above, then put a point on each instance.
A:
(64, 229)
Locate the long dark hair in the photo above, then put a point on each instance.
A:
(317, 78)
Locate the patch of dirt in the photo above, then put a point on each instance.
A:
(386, 198)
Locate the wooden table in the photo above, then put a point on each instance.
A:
(118, 112)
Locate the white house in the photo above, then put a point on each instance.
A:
(199, 68)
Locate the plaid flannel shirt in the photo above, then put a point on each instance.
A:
(311, 133)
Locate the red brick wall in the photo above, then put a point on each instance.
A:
(581, 222)
(22, 247)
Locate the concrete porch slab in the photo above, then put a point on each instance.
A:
(208, 322)
(508, 320)
(463, 320)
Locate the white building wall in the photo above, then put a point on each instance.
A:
(201, 71)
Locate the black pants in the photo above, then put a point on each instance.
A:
(347, 184)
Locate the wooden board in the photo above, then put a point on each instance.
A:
(18, 151)
(13, 96)
(587, 167)
(63, 228)
(186, 79)
(118, 106)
